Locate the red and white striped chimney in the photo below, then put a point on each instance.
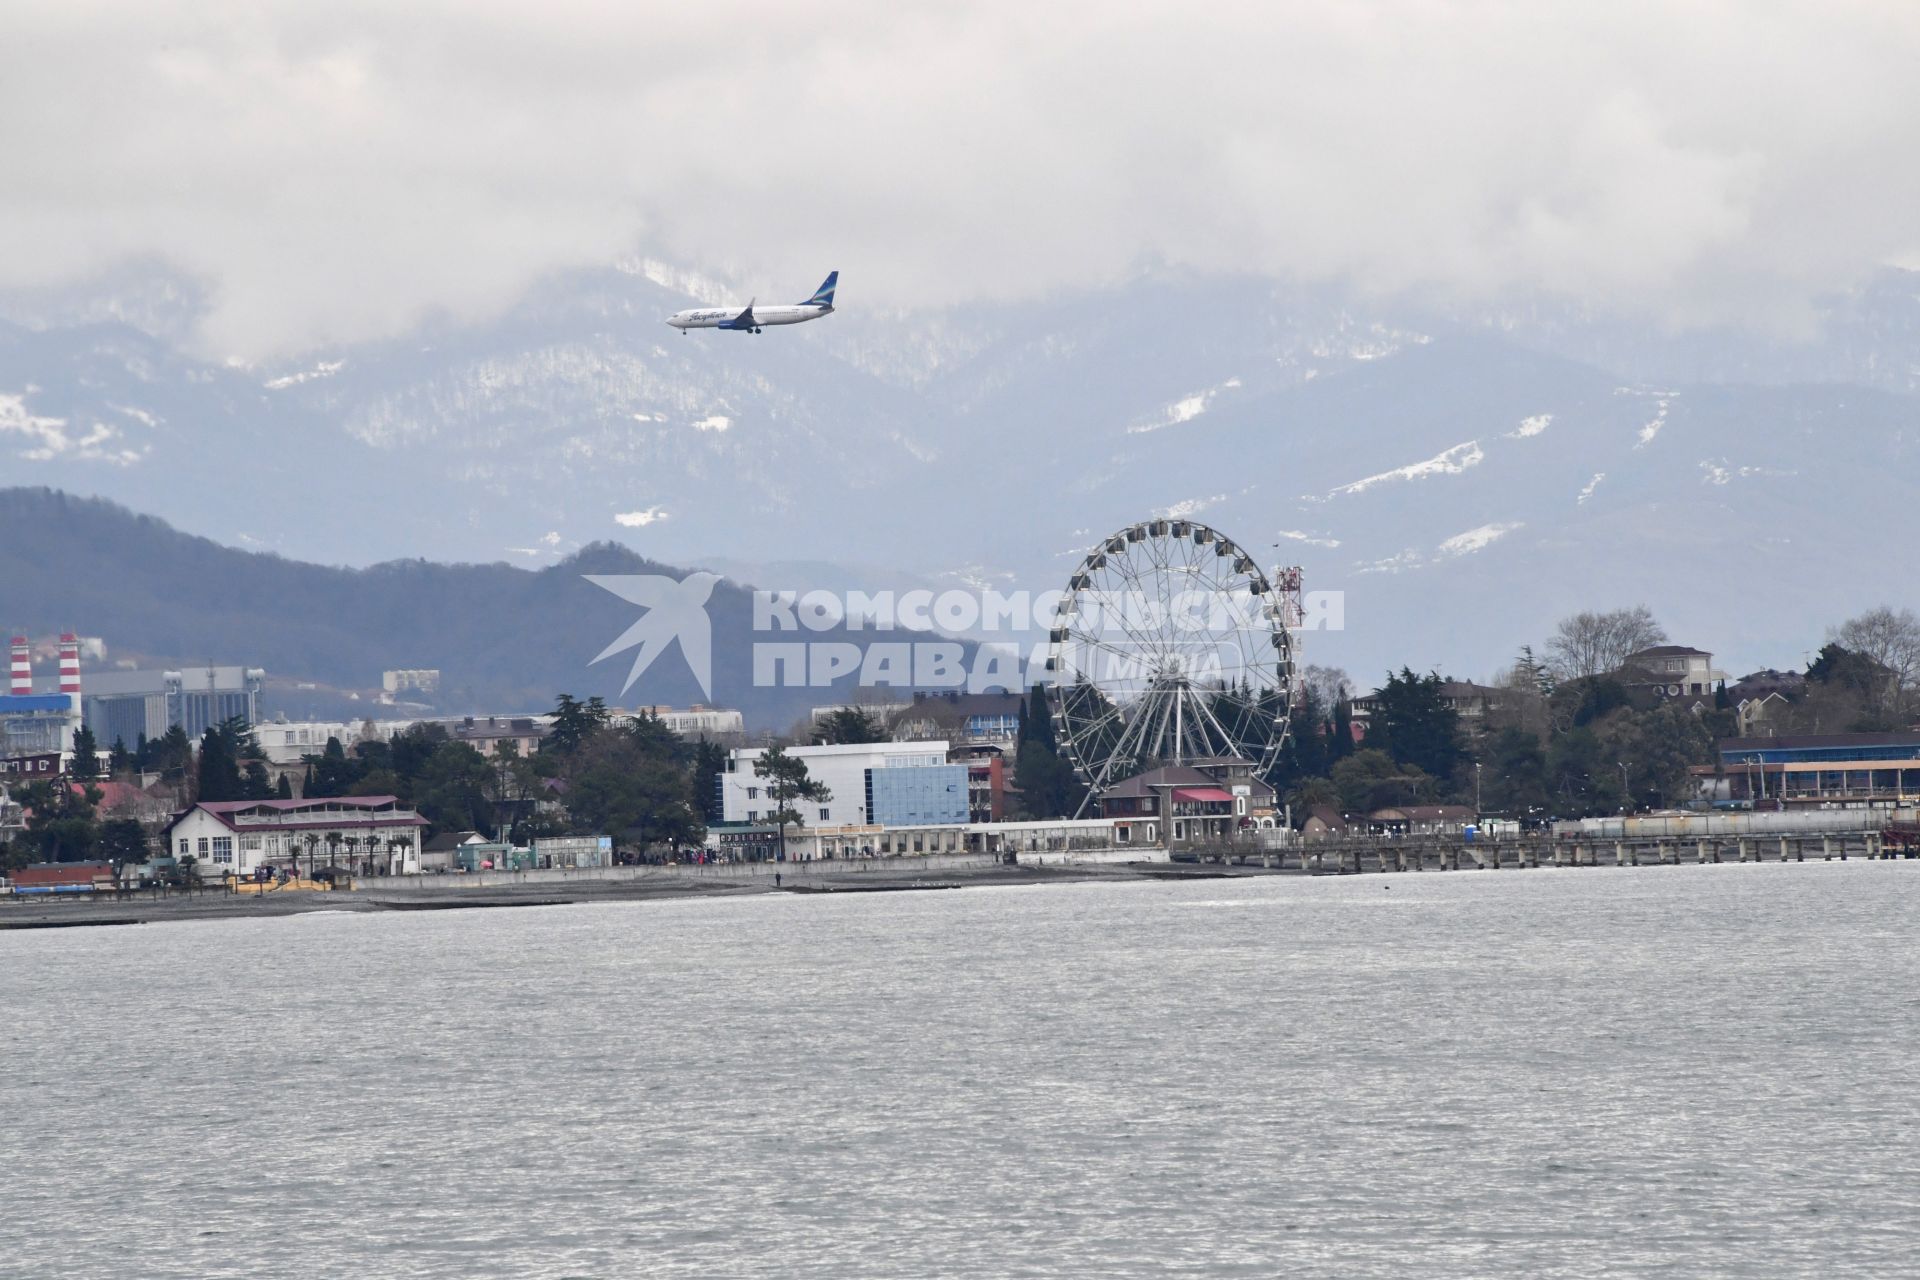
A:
(70, 664)
(22, 683)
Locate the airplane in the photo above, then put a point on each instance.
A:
(750, 320)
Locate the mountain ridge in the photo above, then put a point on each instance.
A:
(507, 639)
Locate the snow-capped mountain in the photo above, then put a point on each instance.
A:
(1463, 479)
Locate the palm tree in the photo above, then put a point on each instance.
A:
(333, 847)
(400, 845)
(312, 840)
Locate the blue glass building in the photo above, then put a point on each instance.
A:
(926, 795)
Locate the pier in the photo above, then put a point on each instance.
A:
(1353, 855)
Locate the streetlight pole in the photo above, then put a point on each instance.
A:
(1626, 793)
(1477, 808)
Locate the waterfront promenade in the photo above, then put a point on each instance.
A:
(1368, 855)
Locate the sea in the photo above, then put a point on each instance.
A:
(1664, 1071)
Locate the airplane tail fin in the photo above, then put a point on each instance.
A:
(823, 296)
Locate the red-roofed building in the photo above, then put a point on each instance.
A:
(373, 835)
(124, 800)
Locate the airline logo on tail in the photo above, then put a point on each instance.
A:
(752, 317)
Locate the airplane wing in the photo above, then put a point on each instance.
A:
(744, 320)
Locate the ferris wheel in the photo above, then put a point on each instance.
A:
(1170, 646)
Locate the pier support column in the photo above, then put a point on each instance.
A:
(1826, 848)
(1783, 848)
(1621, 854)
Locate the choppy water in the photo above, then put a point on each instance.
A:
(1671, 1071)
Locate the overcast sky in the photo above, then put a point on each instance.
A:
(336, 171)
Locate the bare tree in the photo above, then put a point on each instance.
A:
(1891, 639)
(1592, 644)
(1327, 686)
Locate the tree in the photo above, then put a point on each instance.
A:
(573, 723)
(171, 756)
(1578, 703)
(1583, 776)
(330, 773)
(285, 790)
(1340, 744)
(1658, 747)
(1371, 779)
(1514, 773)
(1044, 785)
(787, 784)
(513, 786)
(1529, 672)
(1413, 724)
(619, 789)
(124, 843)
(62, 826)
(1592, 644)
(255, 782)
(1311, 793)
(453, 791)
(119, 759)
(86, 756)
(230, 763)
(709, 761)
(218, 777)
(846, 726)
(1891, 640)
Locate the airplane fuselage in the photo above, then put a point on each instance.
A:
(753, 317)
(724, 317)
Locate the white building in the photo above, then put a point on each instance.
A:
(367, 834)
(1672, 671)
(286, 742)
(412, 679)
(743, 797)
(694, 722)
(485, 733)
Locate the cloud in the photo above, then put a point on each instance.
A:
(342, 172)
(640, 519)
